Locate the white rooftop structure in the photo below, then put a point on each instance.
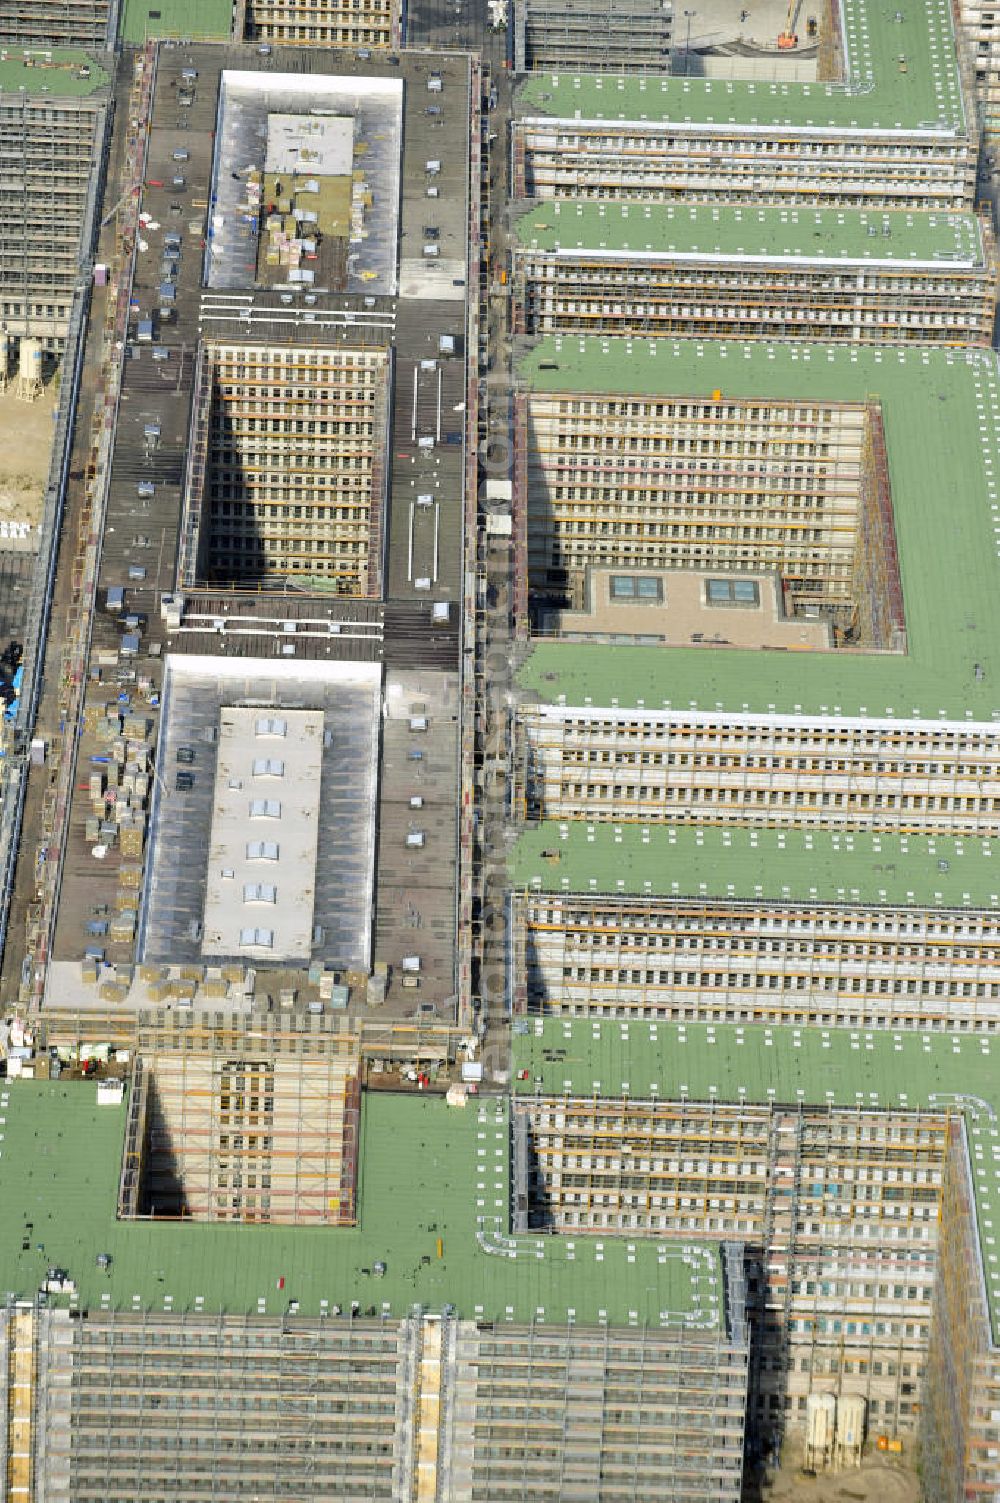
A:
(336, 784)
(312, 124)
(304, 144)
(260, 892)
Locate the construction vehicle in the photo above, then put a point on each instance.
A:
(787, 38)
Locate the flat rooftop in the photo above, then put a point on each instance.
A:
(306, 144)
(63, 72)
(433, 1206)
(879, 94)
(249, 105)
(198, 20)
(941, 416)
(265, 829)
(333, 809)
(699, 232)
(756, 1065)
(707, 861)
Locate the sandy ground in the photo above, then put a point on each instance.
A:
(25, 446)
(880, 1479)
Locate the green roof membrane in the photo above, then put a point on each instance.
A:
(694, 861)
(428, 1172)
(66, 72)
(757, 1064)
(198, 20)
(941, 417)
(922, 92)
(772, 233)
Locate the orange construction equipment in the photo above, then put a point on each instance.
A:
(787, 38)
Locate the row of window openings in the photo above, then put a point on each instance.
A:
(790, 761)
(883, 151)
(765, 931)
(278, 547)
(594, 289)
(597, 975)
(254, 511)
(750, 940)
(699, 1225)
(774, 798)
(876, 739)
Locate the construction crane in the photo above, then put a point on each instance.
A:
(787, 38)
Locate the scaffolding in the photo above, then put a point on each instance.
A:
(19, 1443)
(660, 161)
(61, 23)
(702, 767)
(580, 290)
(629, 35)
(790, 963)
(978, 48)
(876, 589)
(727, 485)
(245, 1118)
(47, 152)
(548, 1410)
(222, 1406)
(429, 1406)
(287, 467)
(840, 1211)
(331, 23)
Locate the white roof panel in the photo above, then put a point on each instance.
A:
(320, 145)
(235, 878)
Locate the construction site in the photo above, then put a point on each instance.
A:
(807, 1141)
(750, 937)
(393, 1359)
(234, 563)
(501, 948)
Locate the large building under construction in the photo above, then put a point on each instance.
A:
(855, 1165)
(752, 273)
(516, 1030)
(760, 826)
(282, 609)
